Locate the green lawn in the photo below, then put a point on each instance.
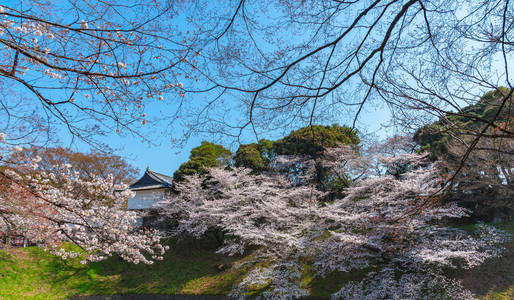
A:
(188, 268)
(33, 273)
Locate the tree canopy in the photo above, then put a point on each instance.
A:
(309, 62)
(287, 229)
(203, 157)
(313, 140)
(484, 181)
(62, 63)
(435, 137)
(310, 140)
(256, 156)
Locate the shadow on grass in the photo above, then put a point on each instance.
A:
(331, 283)
(495, 276)
(190, 266)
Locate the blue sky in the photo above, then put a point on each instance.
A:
(165, 157)
(162, 155)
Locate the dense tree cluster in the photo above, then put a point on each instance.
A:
(436, 138)
(309, 142)
(315, 197)
(313, 140)
(393, 223)
(484, 182)
(256, 156)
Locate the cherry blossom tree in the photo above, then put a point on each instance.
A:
(394, 224)
(90, 67)
(277, 64)
(289, 64)
(49, 208)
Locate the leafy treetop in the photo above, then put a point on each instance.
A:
(255, 156)
(435, 137)
(203, 157)
(310, 141)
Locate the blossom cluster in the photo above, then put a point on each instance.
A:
(49, 208)
(389, 220)
(101, 66)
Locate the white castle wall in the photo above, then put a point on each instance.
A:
(145, 199)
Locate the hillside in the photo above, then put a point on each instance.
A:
(190, 268)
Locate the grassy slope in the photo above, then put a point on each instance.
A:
(30, 272)
(189, 268)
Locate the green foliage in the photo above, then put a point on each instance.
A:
(312, 140)
(203, 157)
(434, 137)
(330, 181)
(255, 156)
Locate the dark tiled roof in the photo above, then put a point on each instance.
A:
(152, 180)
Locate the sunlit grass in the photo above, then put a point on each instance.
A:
(31, 272)
(191, 268)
